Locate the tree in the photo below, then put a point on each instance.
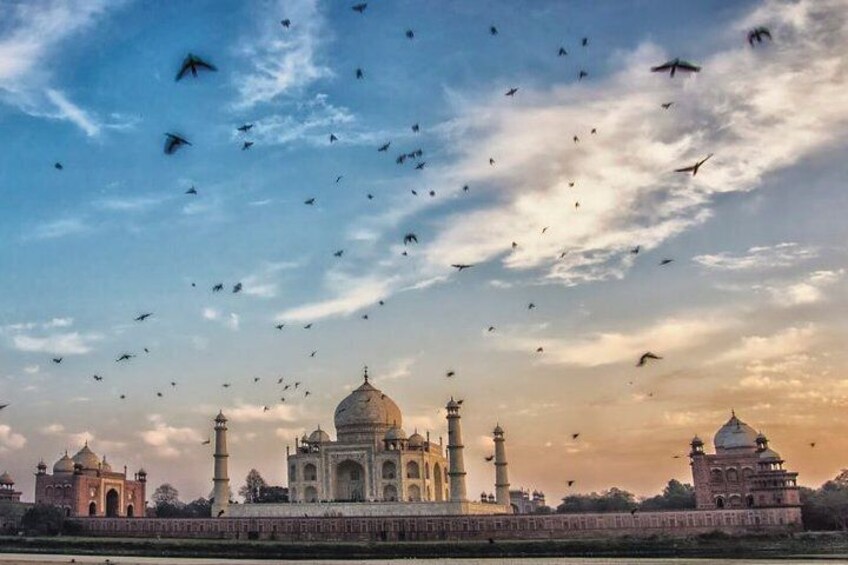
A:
(199, 508)
(271, 494)
(826, 508)
(612, 500)
(252, 489)
(675, 496)
(166, 494)
(43, 520)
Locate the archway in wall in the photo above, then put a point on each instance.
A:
(310, 494)
(414, 493)
(130, 511)
(112, 500)
(390, 493)
(350, 482)
(437, 477)
(92, 509)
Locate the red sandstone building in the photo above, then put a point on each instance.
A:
(743, 472)
(86, 486)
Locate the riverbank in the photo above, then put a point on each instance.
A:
(825, 545)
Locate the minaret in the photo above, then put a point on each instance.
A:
(221, 490)
(501, 476)
(456, 470)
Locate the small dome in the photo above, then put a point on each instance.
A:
(395, 433)
(41, 465)
(498, 430)
(104, 466)
(416, 440)
(6, 479)
(769, 453)
(142, 472)
(735, 434)
(86, 458)
(220, 417)
(452, 403)
(319, 436)
(64, 465)
(697, 441)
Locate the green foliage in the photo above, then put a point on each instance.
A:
(252, 488)
(675, 496)
(271, 494)
(612, 500)
(165, 494)
(826, 508)
(43, 520)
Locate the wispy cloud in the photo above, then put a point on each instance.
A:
(71, 343)
(56, 229)
(130, 203)
(282, 61)
(10, 440)
(352, 294)
(808, 290)
(756, 258)
(791, 341)
(169, 440)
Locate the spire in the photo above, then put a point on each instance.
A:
(365, 373)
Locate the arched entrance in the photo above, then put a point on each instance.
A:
(130, 511)
(350, 482)
(92, 509)
(390, 493)
(310, 494)
(112, 500)
(437, 476)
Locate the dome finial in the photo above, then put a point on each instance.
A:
(365, 373)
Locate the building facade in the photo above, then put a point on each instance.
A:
(7, 489)
(744, 472)
(85, 485)
(525, 502)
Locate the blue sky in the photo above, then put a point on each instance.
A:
(750, 315)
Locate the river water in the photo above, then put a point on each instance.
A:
(27, 559)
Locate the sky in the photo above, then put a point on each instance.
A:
(750, 315)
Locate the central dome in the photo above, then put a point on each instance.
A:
(366, 413)
(735, 434)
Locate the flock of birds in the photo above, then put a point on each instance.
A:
(193, 66)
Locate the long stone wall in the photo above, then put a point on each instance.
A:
(349, 509)
(435, 528)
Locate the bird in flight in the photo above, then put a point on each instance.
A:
(491, 161)
(307, 326)
(562, 52)
(645, 357)
(635, 250)
(333, 138)
(57, 360)
(191, 190)
(124, 357)
(693, 168)
(313, 354)
(218, 287)
(489, 458)
(2, 406)
(384, 147)
(575, 436)
(97, 378)
(540, 350)
(491, 329)
(757, 34)
(461, 266)
(493, 30)
(58, 166)
(144, 317)
(338, 178)
(420, 165)
(570, 482)
(360, 7)
(465, 188)
(245, 128)
(338, 253)
(410, 34)
(359, 73)
(666, 262)
(309, 201)
(531, 306)
(415, 128)
(246, 145)
(584, 42)
(582, 74)
(511, 92)
(450, 374)
(194, 63)
(410, 238)
(206, 442)
(286, 23)
(812, 444)
(676, 65)
(174, 142)
(666, 105)
(237, 288)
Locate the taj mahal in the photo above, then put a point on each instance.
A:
(372, 468)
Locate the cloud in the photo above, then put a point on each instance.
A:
(58, 323)
(31, 37)
(168, 440)
(757, 258)
(808, 290)
(605, 348)
(211, 314)
(53, 429)
(131, 203)
(233, 321)
(71, 343)
(791, 341)
(352, 294)
(257, 413)
(59, 228)
(281, 61)
(9, 440)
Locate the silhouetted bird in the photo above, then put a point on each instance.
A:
(812, 444)
(450, 374)
(218, 287)
(360, 7)
(244, 128)
(159, 394)
(540, 350)
(124, 357)
(420, 165)
(338, 253)
(635, 250)
(582, 74)
(562, 52)
(360, 74)
(666, 262)
(465, 188)
(143, 317)
(97, 378)
(575, 436)
(461, 266)
(309, 201)
(58, 166)
(174, 142)
(493, 30)
(194, 63)
(206, 442)
(676, 65)
(191, 190)
(584, 42)
(286, 23)
(491, 161)
(415, 128)
(666, 105)
(410, 34)
(2, 406)
(333, 138)
(571, 482)
(491, 329)
(645, 357)
(384, 147)
(338, 178)
(307, 326)
(489, 458)
(531, 306)
(757, 34)
(313, 354)
(246, 145)
(511, 92)
(693, 168)
(410, 238)
(237, 288)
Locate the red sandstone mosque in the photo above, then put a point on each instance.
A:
(85, 485)
(744, 472)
